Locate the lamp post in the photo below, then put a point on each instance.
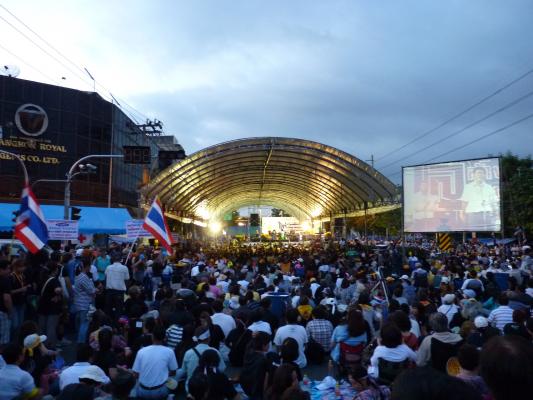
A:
(71, 174)
(17, 157)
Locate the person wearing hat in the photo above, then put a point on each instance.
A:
(71, 374)
(153, 365)
(448, 307)
(89, 386)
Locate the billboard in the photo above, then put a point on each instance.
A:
(452, 196)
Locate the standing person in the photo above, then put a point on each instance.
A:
(116, 276)
(297, 332)
(19, 287)
(6, 303)
(102, 262)
(50, 304)
(153, 365)
(84, 291)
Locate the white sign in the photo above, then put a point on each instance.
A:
(134, 229)
(60, 229)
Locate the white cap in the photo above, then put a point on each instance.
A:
(33, 340)
(404, 277)
(300, 260)
(481, 322)
(94, 373)
(331, 301)
(449, 298)
(79, 252)
(445, 279)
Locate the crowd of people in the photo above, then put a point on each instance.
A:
(256, 321)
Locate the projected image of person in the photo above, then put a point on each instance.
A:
(481, 202)
(424, 207)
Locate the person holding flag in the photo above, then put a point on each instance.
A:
(156, 224)
(30, 226)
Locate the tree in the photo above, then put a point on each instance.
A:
(278, 212)
(517, 193)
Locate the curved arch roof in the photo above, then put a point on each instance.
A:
(305, 178)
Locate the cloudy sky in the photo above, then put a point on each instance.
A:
(364, 76)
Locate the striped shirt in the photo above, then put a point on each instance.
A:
(83, 292)
(174, 335)
(501, 316)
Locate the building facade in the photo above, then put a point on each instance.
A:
(51, 127)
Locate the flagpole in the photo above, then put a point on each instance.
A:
(131, 248)
(26, 179)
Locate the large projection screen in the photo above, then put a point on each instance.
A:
(452, 197)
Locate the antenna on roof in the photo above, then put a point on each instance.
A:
(10, 70)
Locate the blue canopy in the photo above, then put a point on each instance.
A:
(93, 219)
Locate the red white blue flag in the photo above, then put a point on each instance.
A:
(30, 227)
(155, 223)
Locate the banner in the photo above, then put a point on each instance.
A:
(134, 229)
(60, 229)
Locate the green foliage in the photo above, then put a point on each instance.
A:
(517, 192)
(278, 212)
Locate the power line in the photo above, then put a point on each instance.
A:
(499, 110)
(82, 76)
(31, 66)
(482, 137)
(43, 50)
(483, 100)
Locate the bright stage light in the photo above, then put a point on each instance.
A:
(215, 226)
(316, 212)
(306, 226)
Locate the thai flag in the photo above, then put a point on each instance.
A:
(156, 224)
(30, 227)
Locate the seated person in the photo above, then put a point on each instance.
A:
(15, 381)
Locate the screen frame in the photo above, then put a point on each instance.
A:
(499, 158)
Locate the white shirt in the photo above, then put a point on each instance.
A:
(116, 276)
(195, 270)
(261, 326)
(223, 285)
(94, 272)
(396, 354)
(72, 374)
(298, 333)
(449, 310)
(415, 327)
(314, 287)
(225, 321)
(153, 364)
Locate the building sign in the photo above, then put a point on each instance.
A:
(31, 120)
(60, 229)
(134, 229)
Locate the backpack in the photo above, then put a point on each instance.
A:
(236, 354)
(63, 283)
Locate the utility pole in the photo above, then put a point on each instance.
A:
(371, 160)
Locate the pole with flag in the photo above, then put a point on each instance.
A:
(30, 226)
(156, 224)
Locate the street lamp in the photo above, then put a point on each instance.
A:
(70, 174)
(17, 157)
